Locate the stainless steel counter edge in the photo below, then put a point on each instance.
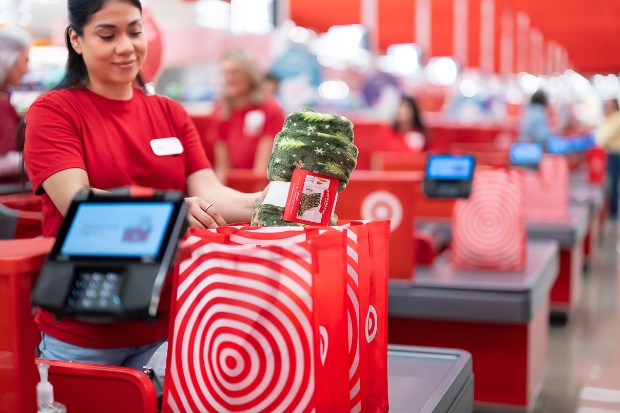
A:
(474, 304)
(441, 402)
(568, 235)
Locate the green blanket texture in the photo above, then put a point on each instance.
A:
(317, 142)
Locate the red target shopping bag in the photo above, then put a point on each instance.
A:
(596, 159)
(488, 229)
(367, 252)
(547, 194)
(259, 328)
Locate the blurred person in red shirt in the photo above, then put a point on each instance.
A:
(14, 49)
(246, 120)
(407, 133)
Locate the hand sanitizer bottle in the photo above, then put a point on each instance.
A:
(45, 394)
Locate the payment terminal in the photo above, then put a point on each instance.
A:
(582, 143)
(449, 176)
(558, 145)
(526, 154)
(111, 257)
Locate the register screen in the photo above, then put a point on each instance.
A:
(449, 168)
(526, 153)
(559, 146)
(118, 230)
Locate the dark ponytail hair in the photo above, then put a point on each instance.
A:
(79, 13)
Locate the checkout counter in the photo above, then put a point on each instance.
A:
(501, 318)
(570, 236)
(420, 380)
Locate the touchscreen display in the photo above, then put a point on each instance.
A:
(525, 153)
(583, 142)
(118, 230)
(449, 168)
(559, 146)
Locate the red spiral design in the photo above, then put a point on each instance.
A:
(547, 191)
(243, 336)
(489, 227)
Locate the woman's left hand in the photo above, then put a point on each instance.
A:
(202, 215)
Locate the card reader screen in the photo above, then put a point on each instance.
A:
(449, 168)
(526, 153)
(118, 230)
(559, 146)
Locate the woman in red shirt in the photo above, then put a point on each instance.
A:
(14, 48)
(246, 120)
(97, 131)
(407, 133)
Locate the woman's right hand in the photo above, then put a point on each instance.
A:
(202, 215)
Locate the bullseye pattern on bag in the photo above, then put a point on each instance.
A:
(248, 328)
(276, 236)
(489, 227)
(364, 274)
(353, 322)
(547, 191)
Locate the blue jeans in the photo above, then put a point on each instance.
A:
(613, 172)
(135, 357)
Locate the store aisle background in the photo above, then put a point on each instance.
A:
(583, 375)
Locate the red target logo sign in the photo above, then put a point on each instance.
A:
(243, 337)
(381, 205)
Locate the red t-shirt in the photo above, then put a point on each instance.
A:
(9, 119)
(244, 128)
(390, 140)
(110, 139)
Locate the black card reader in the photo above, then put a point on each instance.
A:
(449, 176)
(111, 257)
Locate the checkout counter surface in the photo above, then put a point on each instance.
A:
(428, 380)
(568, 234)
(442, 292)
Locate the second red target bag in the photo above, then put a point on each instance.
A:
(488, 229)
(331, 258)
(547, 195)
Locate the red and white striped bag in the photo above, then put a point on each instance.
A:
(488, 229)
(366, 302)
(547, 194)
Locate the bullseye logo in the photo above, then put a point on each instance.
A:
(492, 219)
(382, 205)
(546, 191)
(371, 324)
(243, 337)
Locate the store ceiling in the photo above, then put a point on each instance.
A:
(588, 29)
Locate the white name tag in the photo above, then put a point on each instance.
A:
(166, 146)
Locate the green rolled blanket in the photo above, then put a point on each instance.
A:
(317, 142)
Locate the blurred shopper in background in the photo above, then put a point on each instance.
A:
(407, 133)
(246, 120)
(609, 138)
(14, 49)
(271, 86)
(535, 122)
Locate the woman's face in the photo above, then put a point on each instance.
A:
(236, 82)
(19, 69)
(113, 45)
(404, 114)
